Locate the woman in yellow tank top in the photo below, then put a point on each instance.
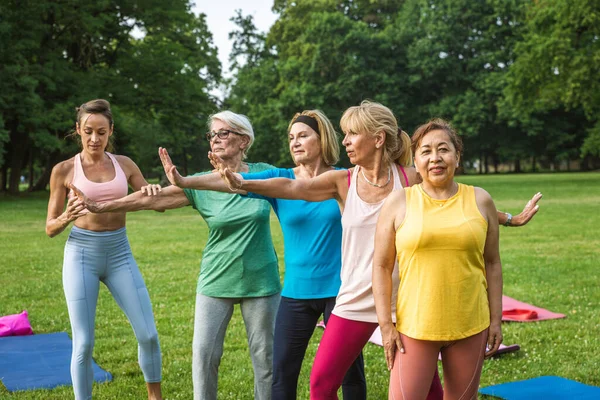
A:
(445, 235)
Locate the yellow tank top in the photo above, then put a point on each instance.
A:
(443, 290)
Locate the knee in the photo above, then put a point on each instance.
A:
(320, 386)
(148, 340)
(82, 349)
(207, 353)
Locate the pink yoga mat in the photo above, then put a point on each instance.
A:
(514, 310)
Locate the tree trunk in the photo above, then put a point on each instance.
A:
(3, 178)
(185, 163)
(533, 162)
(44, 178)
(30, 177)
(18, 151)
(517, 165)
(487, 168)
(481, 163)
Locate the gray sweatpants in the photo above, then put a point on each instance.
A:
(212, 316)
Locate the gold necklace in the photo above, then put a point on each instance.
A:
(362, 170)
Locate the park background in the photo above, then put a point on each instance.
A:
(518, 79)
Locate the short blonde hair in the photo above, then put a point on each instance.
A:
(330, 147)
(371, 117)
(238, 122)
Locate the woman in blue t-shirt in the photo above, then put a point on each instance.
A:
(312, 234)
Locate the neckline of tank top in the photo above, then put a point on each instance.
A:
(378, 203)
(440, 202)
(113, 161)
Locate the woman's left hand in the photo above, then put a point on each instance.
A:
(151, 189)
(392, 342)
(494, 339)
(530, 209)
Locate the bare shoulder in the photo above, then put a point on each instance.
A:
(126, 163)
(64, 168)
(396, 197)
(337, 175)
(123, 160)
(484, 199)
(412, 175)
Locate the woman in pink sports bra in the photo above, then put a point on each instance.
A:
(381, 153)
(97, 249)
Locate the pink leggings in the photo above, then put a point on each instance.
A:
(342, 342)
(462, 361)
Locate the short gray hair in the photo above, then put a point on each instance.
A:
(238, 122)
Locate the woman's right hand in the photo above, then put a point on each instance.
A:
(170, 169)
(233, 180)
(391, 340)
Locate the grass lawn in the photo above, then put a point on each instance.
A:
(554, 263)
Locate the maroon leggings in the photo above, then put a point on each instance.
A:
(342, 342)
(462, 361)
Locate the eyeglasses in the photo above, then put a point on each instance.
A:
(221, 134)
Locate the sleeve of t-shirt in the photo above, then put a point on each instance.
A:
(194, 195)
(266, 174)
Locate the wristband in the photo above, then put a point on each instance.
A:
(508, 219)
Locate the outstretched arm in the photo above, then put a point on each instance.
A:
(329, 185)
(202, 182)
(323, 187)
(169, 198)
(530, 209)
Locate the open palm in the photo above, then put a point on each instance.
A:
(170, 169)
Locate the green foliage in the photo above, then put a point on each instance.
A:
(57, 54)
(557, 63)
(423, 59)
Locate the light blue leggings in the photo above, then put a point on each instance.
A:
(91, 257)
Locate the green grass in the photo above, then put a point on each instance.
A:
(552, 263)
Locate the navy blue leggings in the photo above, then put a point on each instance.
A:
(94, 257)
(294, 326)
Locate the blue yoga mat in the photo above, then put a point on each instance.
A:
(39, 362)
(544, 387)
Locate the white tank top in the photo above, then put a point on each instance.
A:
(355, 299)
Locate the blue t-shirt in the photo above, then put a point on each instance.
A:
(312, 236)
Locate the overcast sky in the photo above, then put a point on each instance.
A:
(218, 13)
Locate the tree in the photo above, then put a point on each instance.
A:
(57, 54)
(557, 64)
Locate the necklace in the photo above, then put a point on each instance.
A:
(376, 184)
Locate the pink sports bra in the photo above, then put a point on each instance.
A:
(104, 191)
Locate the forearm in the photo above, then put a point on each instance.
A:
(56, 225)
(502, 217)
(283, 188)
(139, 201)
(494, 280)
(212, 181)
(382, 293)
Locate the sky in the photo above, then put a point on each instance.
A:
(218, 13)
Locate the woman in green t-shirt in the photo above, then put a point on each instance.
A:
(239, 264)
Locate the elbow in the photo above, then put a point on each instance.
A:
(50, 232)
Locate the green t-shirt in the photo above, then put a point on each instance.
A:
(239, 259)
